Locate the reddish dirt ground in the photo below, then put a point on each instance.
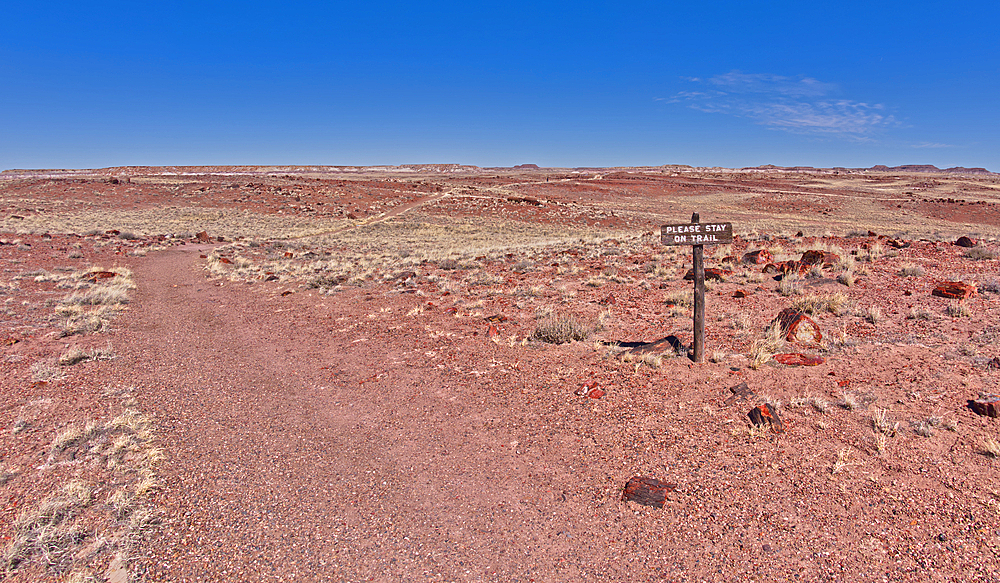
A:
(390, 431)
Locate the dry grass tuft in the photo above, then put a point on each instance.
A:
(835, 303)
(957, 309)
(44, 371)
(980, 253)
(910, 270)
(843, 461)
(77, 355)
(762, 349)
(991, 448)
(789, 285)
(881, 423)
(872, 314)
(561, 329)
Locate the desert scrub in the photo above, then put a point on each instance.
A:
(789, 285)
(835, 303)
(910, 270)
(919, 314)
(846, 278)
(871, 314)
(76, 355)
(957, 309)
(762, 349)
(980, 253)
(679, 298)
(46, 530)
(560, 330)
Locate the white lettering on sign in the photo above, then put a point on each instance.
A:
(696, 234)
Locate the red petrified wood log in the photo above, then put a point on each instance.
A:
(759, 257)
(798, 327)
(647, 491)
(766, 415)
(956, 290)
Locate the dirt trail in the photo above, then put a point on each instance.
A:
(288, 455)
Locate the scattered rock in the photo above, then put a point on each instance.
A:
(956, 290)
(740, 294)
(202, 237)
(710, 274)
(766, 415)
(647, 491)
(271, 278)
(608, 301)
(759, 257)
(995, 363)
(496, 318)
(595, 393)
(798, 327)
(225, 260)
(965, 242)
(586, 388)
(669, 344)
(798, 359)
(987, 404)
(287, 292)
(741, 392)
(817, 257)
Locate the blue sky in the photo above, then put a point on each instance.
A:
(96, 84)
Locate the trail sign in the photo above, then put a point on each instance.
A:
(697, 234)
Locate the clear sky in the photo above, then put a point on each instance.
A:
(97, 84)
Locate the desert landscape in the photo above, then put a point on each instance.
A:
(451, 373)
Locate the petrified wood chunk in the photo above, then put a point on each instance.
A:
(798, 327)
(987, 405)
(647, 491)
(766, 415)
(956, 290)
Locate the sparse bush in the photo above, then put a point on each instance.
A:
(919, 314)
(43, 371)
(835, 303)
(910, 270)
(991, 448)
(682, 298)
(762, 349)
(958, 310)
(560, 330)
(881, 423)
(980, 253)
(872, 314)
(790, 285)
(846, 278)
(742, 322)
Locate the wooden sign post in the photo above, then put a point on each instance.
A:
(698, 235)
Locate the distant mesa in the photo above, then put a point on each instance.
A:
(526, 167)
(929, 168)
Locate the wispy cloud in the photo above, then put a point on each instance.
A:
(797, 105)
(931, 145)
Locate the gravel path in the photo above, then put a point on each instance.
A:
(291, 459)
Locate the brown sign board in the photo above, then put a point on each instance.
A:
(697, 234)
